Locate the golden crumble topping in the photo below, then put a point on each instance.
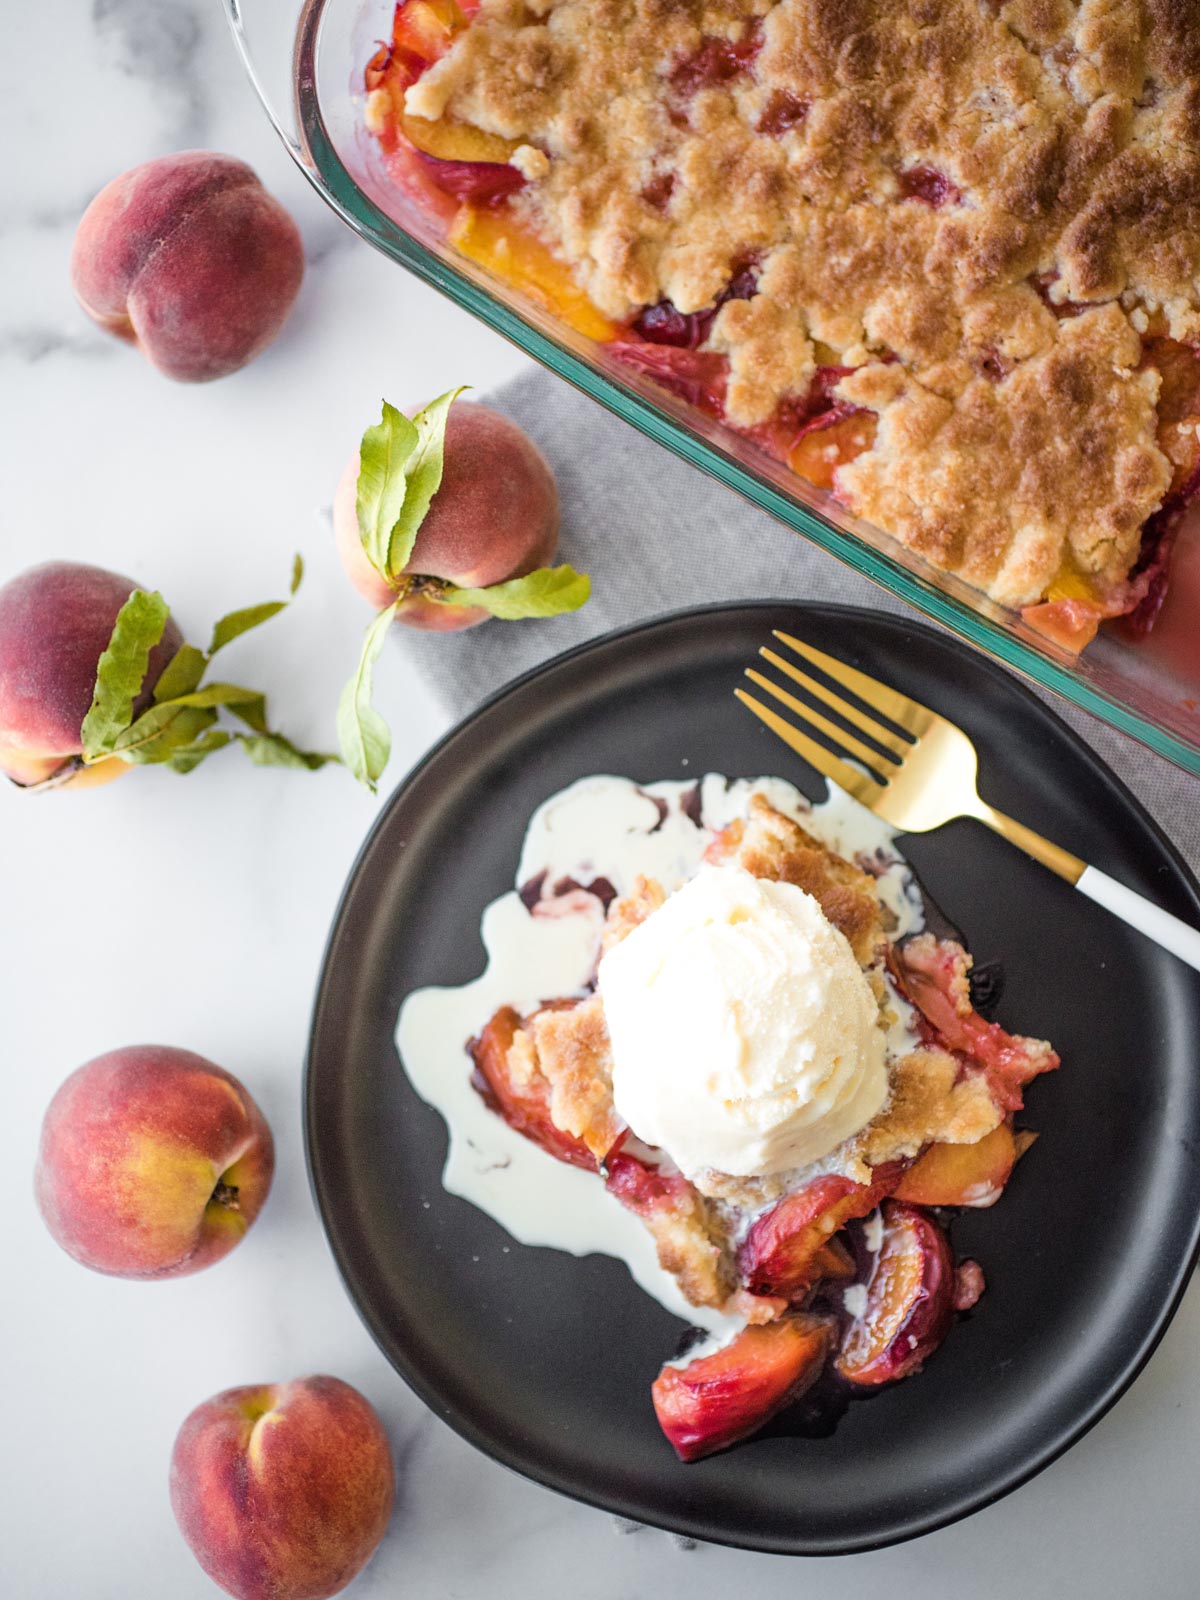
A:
(926, 189)
(573, 1051)
(770, 845)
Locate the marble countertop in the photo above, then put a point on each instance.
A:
(194, 912)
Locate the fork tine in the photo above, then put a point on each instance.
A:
(908, 714)
(846, 742)
(855, 783)
(874, 730)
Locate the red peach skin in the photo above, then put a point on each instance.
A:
(932, 974)
(283, 1491)
(910, 1300)
(495, 516)
(189, 258)
(55, 623)
(716, 1400)
(525, 1106)
(783, 1252)
(153, 1163)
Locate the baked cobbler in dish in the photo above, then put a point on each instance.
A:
(941, 256)
(780, 1087)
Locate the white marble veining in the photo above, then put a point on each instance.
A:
(194, 911)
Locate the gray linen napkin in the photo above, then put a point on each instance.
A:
(656, 535)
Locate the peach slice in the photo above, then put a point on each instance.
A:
(642, 1188)
(932, 973)
(782, 1253)
(962, 1174)
(455, 141)
(523, 1100)
(833, 1262)
(698, 376)
(910, 1300)
(715, 1400)
(426, 27)
(831, 442)
(501, 245)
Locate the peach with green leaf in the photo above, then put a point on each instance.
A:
(153, 1162)
(283, 1490)
(56, 620)
(493, 514)
(443, 520)
(95, 677)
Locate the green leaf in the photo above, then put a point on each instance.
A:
(182, 673)
(190, 756)
(382, 482)
(121, 671)
(548, 592)
(273, 750)
(232, 627)
(423, 477)
(248, 704)
(362, 733)
(163, 730)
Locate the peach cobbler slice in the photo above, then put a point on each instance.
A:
(773, 1249)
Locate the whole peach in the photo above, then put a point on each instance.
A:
(495, 516)
(153, 1163)
(189, 258)
(283, 1491)
(55, 621)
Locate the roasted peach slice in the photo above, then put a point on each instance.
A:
(715, 1400)
(830, 442)
(426, 28)
(715, 61)
(963, 1174)
(933, 974)
(698, 376)
(783, 1252)
(499, 243)
(517, 1091)
(665, 324)
(833, 1263)
(643, 1188)
(479, 183)
(455, 141)
(910, 1300)
(930, 186)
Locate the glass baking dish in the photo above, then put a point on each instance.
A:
(306, 60)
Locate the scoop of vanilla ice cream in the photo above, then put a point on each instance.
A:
(745, 1036)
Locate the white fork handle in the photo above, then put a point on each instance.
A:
(1178, 937)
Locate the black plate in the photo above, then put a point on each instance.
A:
(545, 1361)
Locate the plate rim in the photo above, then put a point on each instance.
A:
(462, 1423)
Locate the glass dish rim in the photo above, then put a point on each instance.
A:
(313, 150)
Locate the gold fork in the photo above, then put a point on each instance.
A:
(922, 773)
